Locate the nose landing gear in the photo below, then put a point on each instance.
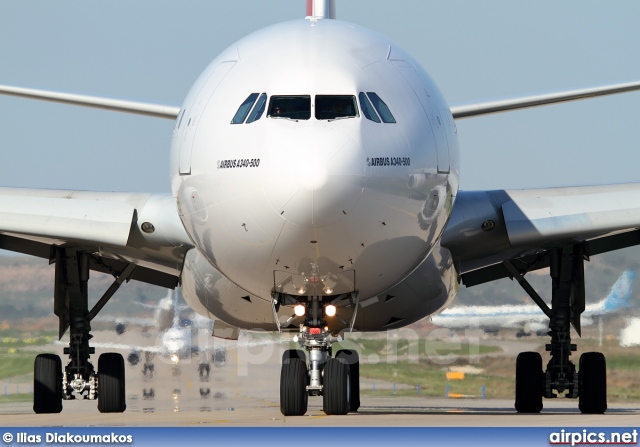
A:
(317, 373)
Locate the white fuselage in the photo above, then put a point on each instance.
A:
(355, 203)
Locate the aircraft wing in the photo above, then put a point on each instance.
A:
(458, 111)
(118, 105)
(127, 320)
(504, 105)
(120, 230)
(502, 233)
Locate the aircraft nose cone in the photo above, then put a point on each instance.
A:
(319, 177)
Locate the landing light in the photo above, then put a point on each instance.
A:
(330, 310)
(302, 290)
(299, 310)
(147, 227)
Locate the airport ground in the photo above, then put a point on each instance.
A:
(244, 392)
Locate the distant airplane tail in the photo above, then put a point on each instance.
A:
(620, 292)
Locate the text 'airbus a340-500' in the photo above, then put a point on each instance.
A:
(317, 197)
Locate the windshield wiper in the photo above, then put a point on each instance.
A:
(283, 118)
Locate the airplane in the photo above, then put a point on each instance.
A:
(163, 316)
(630, 334)
(177, 337)
(529, 318)
(318, 196)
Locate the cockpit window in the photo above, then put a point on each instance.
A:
(291, 107)
(382, 108)
(258, 110)
(244, 109)
(367, 109)
(332, 107)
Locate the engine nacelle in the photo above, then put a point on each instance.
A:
(120, 328)
(134, 357)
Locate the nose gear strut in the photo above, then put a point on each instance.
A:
(317, 373)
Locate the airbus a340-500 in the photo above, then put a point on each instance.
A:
(177, 337)
(317, 196)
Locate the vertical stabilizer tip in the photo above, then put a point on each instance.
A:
(321, 9)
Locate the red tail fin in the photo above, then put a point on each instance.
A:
(325, 9)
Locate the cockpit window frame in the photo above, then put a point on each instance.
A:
(382, 108)
(367, 108)
(295, 115)
(244, 109)
(258, 109)
(331, 112)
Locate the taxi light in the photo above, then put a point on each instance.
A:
(299, 310)
(330, 310)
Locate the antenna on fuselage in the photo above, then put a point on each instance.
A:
(321, 9)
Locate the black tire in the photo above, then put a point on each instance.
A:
(529, 382)
(47, 384)
(148, 394)
(148, 370)
(133, 358)
(352, 359)
(336, 391)
(593, 383)
(219, 357)
(293, 354)
(204, 372)
(293, 386)
(111, 391)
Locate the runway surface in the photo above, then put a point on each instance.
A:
(375, 412)
(245, 392)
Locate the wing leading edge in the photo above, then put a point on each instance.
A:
(504, 105)
(488, 228)
(97, 102)
(106, 225)
(458, 111)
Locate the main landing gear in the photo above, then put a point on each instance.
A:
(316, 372)
(560, 379)
(78, 379)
